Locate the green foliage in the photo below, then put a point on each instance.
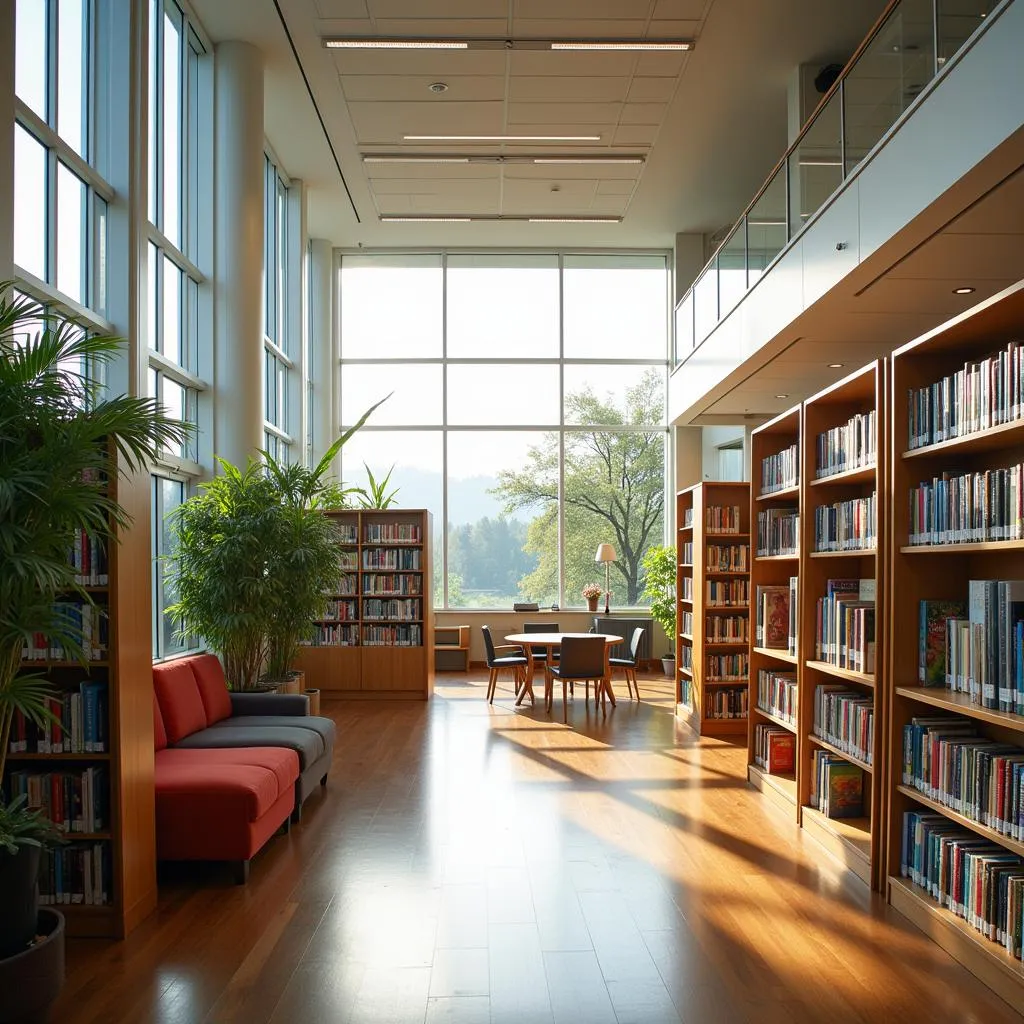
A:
(614, 491)
(376, 496)
(20, 826)
(488, 558)
(56, 434)
(659, 565)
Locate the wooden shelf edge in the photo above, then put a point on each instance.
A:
(782, 493)
(781, 789)
(847, 476)
(777, 653)
(778, 558)
(854, 553)
(846, 839)
(977, 545)
(840, 673)
(975, 826)
(839, 752)
(977, 439)
(960, 703)
(775, 720)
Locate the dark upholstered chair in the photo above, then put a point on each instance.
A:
(628, 665)
(543, 656)
(517, 662)
(582, 661)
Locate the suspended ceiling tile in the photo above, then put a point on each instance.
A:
(432, 28)
(608, 187)
(435, 186)
(609, 206)
(651, 90)
(643, 113)
(635, 135)
(456, 205)
(571, 64)
(440, 9)
(416, 89)
(563, 172)
(580, 114)
(686, 10)
(433, 63)
(661, 65)
(387, 123)
(578, 10)
(427, 172)
(578, 28)
(342, 8)
(540, 191)
(552, 89)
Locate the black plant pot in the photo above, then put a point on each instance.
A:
(19, 899)
(32, 980)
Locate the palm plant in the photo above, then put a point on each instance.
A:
(376, 495)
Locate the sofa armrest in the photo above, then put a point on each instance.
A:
(295, 704)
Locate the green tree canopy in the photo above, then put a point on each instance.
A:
(614, 491)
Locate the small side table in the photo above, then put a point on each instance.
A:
(451, 648)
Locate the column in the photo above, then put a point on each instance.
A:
(323, 369)
(238, 264)
(7, 141)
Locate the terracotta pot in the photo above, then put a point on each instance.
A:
(592, 603)
(314, 701)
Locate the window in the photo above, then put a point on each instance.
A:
(527, 412)
(167, 495)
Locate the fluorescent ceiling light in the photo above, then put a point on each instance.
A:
(399, 43)
(574, 220)
(396, 44)
(811, 162)
(765, 223)
(485, 158)
(425, 220)
(502, 138)
(415, 159)
(430, 219)
(588, 159)
(623, 44)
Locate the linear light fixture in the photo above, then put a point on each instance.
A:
(622, 44)
(396, 44)
(425, 220)
(814, 162)
(587, 159)
(411, 43)
(484, 158)
(501, 138)
(430, 219)
(574, 220)
(371, 159)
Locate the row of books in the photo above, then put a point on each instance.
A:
(774, 749)
(79, 724)
(686, 658)
(341, 611)
(687, 594)
(726, 558)
(969, 507)
(837, 786)
(980, 395)
(846, 719)
(686, 623)
(778, 532)
(726, 668)
(781, 471)
(726, 702)
(851, 445)
(686, 552)
(348, 561)
(405, 635)
(346, 533)
(847, 525)
(777, 694)
(89, 621)
(392, 558)
(727, 629)
(88, 556)
(845, 625)
(74, 801)
(687, 518)
(392, 583)
(347, 584)
(325, 634)
(722, 519)
(686, 691)
(976, 647)
(978, 881)
(75, 874)
(404, 609)
(950, 762)
(727, 593)
(776, 616)
(397, 533)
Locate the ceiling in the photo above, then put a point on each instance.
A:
(708, 124)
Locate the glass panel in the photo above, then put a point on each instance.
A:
(766, 226)
(269, 206)
(71, 261)
(503, 518)
(732, 270)
(30, 55)
(99, 298)
(684, 327)
(72, 88)
(152, 256)
(191, 199)
(816, 165)
(705, 304)
(171, 163)
(609, 395)
(893, 69)
(503, 306)
(503, 394)
(169, 495)
(29, 203)
(174, 406)
(281, 272)
(615, 307)
(172, 311)
(191, 355)
(958, 20)
(391, 307)
(154, 105)
(154, 383)
(281, 419)
(270, 385)
(415, 456)
(417, 397)
(614, 494)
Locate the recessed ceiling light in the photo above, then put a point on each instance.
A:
(438, 87)
(425, 220)
(835, 366)
(502, 138)
(782, 396)
(965, 290)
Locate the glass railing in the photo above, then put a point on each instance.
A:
(904, 52)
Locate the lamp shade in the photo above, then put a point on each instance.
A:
(605, 553)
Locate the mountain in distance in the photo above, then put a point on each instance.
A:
(468, 500)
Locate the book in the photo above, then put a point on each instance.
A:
(844, 790)
(932, 649)
(775, 617)
(781, 752)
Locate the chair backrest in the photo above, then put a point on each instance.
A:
(582, 657)
(541, 627)
(489, 645)
(634, 644)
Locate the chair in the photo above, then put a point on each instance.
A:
(541, 656)
(629, 664)
(582, 661)
(516, 662)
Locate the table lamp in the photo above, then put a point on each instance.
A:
(606, 554)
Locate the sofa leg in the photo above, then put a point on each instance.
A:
(296, 815)
(323, 782)
(286, 826)
(240, 870)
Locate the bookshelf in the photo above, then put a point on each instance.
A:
(377, 641)
(718, 637)
(843, 538)
(938, 571)
(122, 773)
(451, 648)
(774, 492)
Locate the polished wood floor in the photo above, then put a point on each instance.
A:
(484, 864)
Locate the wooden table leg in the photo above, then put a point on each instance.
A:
(528, 685)
(606, 680)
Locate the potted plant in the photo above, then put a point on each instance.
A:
(659, 565)
(376, 494)
(592, 592)
(57, 436)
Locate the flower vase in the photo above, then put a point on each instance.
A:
(592, 603)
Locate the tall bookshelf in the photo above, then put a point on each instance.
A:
(838, 470)
(712, 594)
(940, 570)
(377, 640)
(774, 492)
(123, 786)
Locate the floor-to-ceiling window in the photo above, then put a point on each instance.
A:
(527, 412)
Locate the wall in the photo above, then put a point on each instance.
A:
(711, 439)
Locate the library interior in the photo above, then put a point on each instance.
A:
(512, 511)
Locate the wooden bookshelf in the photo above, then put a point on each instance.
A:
(939, 571)
(856, 842)
(352, 655)
(774, 569)
(696, 691)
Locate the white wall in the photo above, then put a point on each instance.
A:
(711, 439)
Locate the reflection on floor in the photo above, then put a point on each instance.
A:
(473, 863)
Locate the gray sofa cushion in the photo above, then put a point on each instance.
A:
(323, 727)
(307, 743)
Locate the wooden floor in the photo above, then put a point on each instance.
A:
(484, 864)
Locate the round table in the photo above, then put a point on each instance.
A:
(548, 640)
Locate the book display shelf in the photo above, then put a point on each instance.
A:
(713, 607)
(957, 661)
(773, 739)
(95, 776)
(377, 639)
(842, 690)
